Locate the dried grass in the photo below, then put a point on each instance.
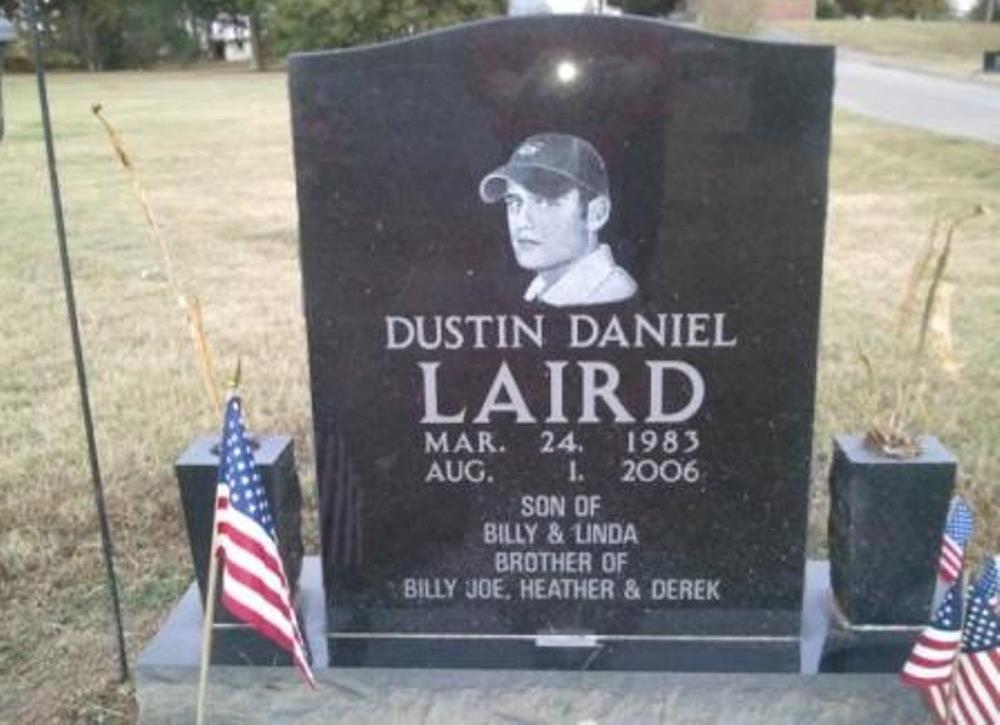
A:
(190, 303)
(899, 398)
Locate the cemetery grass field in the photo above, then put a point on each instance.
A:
(948, 47)
(213, 149)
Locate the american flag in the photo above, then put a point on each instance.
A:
(977, 683)
(975, 672)
(254, 586)
(957, 531)
(932, 661)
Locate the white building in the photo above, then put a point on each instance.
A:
(534, 7)
(229, 37)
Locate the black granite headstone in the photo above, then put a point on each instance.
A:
(570, 428)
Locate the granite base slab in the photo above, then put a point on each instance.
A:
(378, 696)
(859, 650)
(697, 654)
(178, 643)
(166, 683)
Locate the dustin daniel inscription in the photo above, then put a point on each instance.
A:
(599, 378)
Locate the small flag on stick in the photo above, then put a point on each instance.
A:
(254, 587)
(932, 661)
(956, 660)
(977, 683)
(957, 531)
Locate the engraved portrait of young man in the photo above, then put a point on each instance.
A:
(555, 188)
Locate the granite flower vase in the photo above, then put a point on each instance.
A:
(886, 519)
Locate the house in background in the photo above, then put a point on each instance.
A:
(229, 38)
(531, 7)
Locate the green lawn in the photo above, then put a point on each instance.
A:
(214, 151)
(951, 47)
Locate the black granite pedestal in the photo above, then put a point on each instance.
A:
(197, 476)
(867, 649)
(886, 519)
(859, 648)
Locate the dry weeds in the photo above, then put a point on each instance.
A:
(215, 154)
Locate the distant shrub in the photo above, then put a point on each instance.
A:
(316, 24)
(648, 7)
(980, 11)
(829, 10)
(913, 9)
(60, 58)
(20, 58)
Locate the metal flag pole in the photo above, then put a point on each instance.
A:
(81, 372)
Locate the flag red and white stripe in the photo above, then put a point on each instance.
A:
(254, 586)
(958, 528)
(952, 558)
(976, 700)
(931, 664)
(933, 657)
(960, 679)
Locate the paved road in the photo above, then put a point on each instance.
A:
(866, 84)
(933, 103)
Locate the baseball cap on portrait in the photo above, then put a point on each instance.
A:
(549, 164)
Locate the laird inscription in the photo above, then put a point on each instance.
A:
(598, 393)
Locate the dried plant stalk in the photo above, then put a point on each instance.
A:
(189, 303)
(908, 306)
(192, 307)
(938, 275)
(939, 331)
(893, 437)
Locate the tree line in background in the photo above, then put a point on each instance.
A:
(912, 9)
(825, 8)
(112, 34)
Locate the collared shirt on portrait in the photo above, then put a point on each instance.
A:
(591, 280)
